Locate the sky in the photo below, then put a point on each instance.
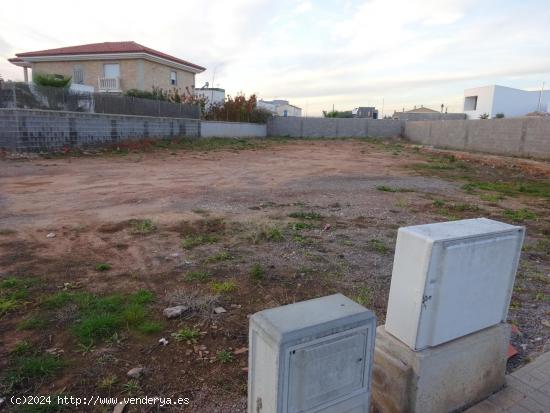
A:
(392, 54)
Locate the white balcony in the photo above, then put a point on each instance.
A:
(109, 84)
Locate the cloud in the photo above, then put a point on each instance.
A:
(316, 53)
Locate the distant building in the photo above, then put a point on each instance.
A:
(280, 107)
(495, 99)
(423, 113)
(365, 112)
(214, 95)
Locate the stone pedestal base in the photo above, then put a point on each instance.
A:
(441, 379)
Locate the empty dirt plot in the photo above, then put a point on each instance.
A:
(94, 247)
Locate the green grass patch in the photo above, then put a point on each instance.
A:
(100, 317)
(378, 246)
(6, 232)
(32, 323)
(274, 234)
(13, 293)
(188, 334)
(220, 256)
(309, 215)
(224, 356)
(519, 215)
(29, 367)
(223, 287)
(192, 241)
(527, 188)
(385, 188)
(364, 296)
(142, 226)
(197, 276)
(299, 226)
(257, 272)
(103, 266)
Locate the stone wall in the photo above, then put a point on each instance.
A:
(30, 130)
(429, 116)
(296, 127)
(528, 137)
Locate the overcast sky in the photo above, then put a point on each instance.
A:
(314, 53)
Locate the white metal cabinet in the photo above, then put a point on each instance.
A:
(451, 279)
(312, 356)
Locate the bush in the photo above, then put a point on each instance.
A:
(52, 80)
(499, 115)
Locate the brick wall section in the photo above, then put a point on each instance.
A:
(296, 127)
(29, 130)
(527, 137)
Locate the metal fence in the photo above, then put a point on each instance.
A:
(16, 95)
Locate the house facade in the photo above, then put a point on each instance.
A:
(368, 112)
(113, 67)
(280, 107)
(508, 101)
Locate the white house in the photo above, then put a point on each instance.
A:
(213, 95)
(506, 100)
(280, 107)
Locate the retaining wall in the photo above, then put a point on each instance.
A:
(296, 127)
(31, 130)
(528, 136)
(211, 129)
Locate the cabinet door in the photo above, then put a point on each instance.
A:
(326, 370)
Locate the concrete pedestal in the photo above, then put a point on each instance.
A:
(440, 379)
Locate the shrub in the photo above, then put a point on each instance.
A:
(52, 80)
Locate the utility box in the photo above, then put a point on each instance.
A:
(451, 279)
(311, 356)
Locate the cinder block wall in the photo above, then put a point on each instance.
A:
(30, 130)
(296, 127)
(210, 129)
(529, 136)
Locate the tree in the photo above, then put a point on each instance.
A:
(484, 116)
(338, 114)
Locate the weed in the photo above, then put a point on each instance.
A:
(223, 287)
(300, 239)
(130, 387)
(197, 275)
(299, 226)
(57, 300)
(519, 215)
(103, 267)
(200, 211)
(220, 256)
(438, 203)
(528, 188)
(257, 272)
(310, 215)
(491, 197)
(224, 356)
(192, 241)
(364, 296)
(22, 347)
(107, 382)
(542, 297)
(274, 234)
(7, 305)
(188, 334)
(401, 203)
(385, 188)
(7, 231)
(378, 246)
(142, 226)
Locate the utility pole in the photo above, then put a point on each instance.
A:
(540, 97)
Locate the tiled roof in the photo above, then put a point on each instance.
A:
(106, 47)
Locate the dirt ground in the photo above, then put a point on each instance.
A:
(243, 226)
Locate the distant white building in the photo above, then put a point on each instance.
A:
(214, 95)
(280, 107)
(510, 102)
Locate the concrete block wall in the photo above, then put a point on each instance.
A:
(296, 127)
(528, 136)
(30, 130)
(211, 129)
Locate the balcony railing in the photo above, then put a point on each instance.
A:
(109, 84)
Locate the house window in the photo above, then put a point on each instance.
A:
(78, 75)
(470, 103)
(173, 78)
(111, 70)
